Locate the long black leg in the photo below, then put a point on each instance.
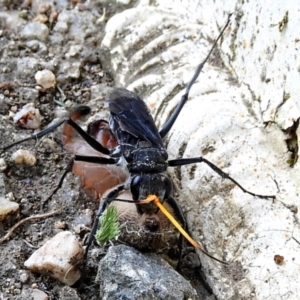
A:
(37, 135)
(177, 211)
(103, 204)
(91, 159)
(90, 140)
(187, 161)
(168, 125)
(179, 214)
(96, 160)
(180, 217)
(67, 170)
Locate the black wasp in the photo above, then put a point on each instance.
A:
(137, 142)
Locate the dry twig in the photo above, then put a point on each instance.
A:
(36, 217)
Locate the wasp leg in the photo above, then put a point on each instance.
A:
(96, 160)
(67, 170)
(103, 204)
(180, 217)
(90, 140)
(168, 125)
(91, 159)
(187, 161)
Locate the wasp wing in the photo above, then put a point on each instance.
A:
(95, 179)
(133, 116)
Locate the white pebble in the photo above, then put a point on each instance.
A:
(24, 276)
(23, 157)
(58, 258)
(7, 207)
(28, 117)
(45, 79)
(37, 294)
(3, 165)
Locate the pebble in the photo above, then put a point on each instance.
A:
(60, 225)
(39, 295)
(3, 165)
(28, 117)
(45, 79)
(7, 207)
(84, 218)
(24, 276)
(58, 258)
(23, 157)
(35, 30)
(34, 286)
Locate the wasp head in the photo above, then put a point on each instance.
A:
(150, 184)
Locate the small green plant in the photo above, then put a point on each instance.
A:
(109, 226)
(59, 102)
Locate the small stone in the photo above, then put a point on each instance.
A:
(24, 276)
(10, 196)
(50, 143)
(23, 14)
(28, 117)
(42, 18)
(278, 259)
(60, 225)
(60, 112)
(44, 8)
(45, 78)
(35, 30)
(3, 165)
(73, 51)
(33, 45)
(6, 70)
(39, 295)
(7, 207)
(68, 293)
(58, 258)
(23, 157)
(14, 108)
(34, 286)
(84, 218)
(68, 103)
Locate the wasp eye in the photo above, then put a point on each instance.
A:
(135, 187)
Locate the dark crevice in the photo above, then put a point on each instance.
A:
(292, 143)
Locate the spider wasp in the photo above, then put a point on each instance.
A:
(129, 155)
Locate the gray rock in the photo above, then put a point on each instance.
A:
(125, 273)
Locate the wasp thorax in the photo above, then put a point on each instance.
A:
(149, 160)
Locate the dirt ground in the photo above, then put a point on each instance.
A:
(32, 185)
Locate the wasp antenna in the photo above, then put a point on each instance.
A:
(201, 65)
(210, 256)
(125, 200)
(155, 200)
(168, 125)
